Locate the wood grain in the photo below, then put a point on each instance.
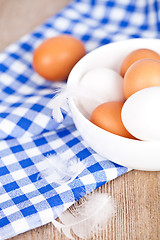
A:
(137, 193)
(18, 17)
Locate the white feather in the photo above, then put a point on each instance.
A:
(87, 218)
(60, 170)
(59, 101)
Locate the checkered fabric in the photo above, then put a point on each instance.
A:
(27, 130)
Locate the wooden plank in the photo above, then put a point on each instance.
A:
(136, 193)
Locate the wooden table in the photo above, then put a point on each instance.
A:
(137, 193)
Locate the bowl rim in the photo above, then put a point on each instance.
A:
(69, 81)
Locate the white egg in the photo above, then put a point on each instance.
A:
(141, 114)
(100, 85)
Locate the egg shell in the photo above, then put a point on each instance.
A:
(101, 85)
(55, 57)
(141, 114)
(108, 117)
(141, 74)
(136, 55)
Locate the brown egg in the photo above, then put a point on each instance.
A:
(135, 56)
(142, 74)
(108, 117)
(56, 56)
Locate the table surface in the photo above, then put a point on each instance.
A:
(137, 193)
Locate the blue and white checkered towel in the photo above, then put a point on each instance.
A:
(27, 130)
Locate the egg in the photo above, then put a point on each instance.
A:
(141, 74)
(56, 56)
(141, 114)
(136, 55)
(108, 117)
(100, 85)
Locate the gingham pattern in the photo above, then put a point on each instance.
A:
(27, 130)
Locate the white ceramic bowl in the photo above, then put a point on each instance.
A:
(135, 154)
